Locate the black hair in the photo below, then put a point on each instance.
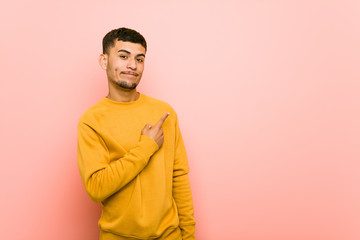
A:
(122, 34)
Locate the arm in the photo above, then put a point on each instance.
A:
(181, 189)
(101, 178)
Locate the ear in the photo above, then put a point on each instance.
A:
(103, 59)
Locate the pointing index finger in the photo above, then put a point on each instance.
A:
(162, 120)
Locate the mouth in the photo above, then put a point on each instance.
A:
(133, 74)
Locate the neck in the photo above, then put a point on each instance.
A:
(123, 96)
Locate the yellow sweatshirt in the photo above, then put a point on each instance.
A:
(144, 191)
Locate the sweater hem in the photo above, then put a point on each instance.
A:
(173, 233)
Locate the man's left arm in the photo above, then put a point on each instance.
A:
(181, 189)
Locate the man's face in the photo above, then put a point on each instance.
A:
(124, 64)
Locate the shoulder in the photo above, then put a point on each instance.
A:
(94, 112)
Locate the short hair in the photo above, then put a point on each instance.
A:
(122, 34)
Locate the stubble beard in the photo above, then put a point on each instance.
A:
(127, 86)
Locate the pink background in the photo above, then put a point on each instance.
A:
(267, 92)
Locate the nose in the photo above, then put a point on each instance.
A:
(131, 64)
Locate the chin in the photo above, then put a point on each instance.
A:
(127, 85)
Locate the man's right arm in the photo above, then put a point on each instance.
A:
(102, 178)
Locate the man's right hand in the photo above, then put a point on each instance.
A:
(155, 132)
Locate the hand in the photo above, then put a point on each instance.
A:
(155, 132)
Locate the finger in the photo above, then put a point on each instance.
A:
(147, 126)
(162, 120)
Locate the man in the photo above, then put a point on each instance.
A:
(131, 155)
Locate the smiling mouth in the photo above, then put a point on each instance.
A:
(130, 73)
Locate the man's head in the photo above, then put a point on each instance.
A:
(122, 34)
(123, 58)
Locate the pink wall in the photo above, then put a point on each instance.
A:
(268, 95)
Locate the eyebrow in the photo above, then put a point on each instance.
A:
(126, 51)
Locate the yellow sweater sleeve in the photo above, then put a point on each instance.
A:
(102, 178)
(181, 189)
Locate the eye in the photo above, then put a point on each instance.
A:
(123, 56)
(140, 60)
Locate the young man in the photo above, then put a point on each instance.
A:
(131, 155)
